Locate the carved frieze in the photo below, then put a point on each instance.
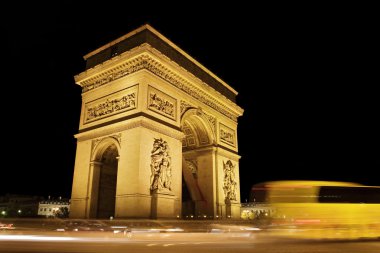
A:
(190, 89)
(115, 103)
(184, 106)
(125, 125)
(211, 121)
(162, 103)
(229, 181)
(161, 170)
(227, 135)
(147, 62)
(125, 69)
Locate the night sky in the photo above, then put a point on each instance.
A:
(302, 73)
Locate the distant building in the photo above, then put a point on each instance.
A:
(252, 210)
(50, 207)
(16, 205)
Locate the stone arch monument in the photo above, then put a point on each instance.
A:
(157, 134)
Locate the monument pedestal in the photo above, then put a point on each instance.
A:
(233, 211)
(163, 204)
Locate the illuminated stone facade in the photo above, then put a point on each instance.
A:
(157, 134)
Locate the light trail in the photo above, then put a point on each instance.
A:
(36, 238)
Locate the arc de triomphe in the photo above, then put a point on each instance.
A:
(157, 135)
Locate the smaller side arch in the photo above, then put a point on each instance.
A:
(101, 146)
(103, 178)
(197, 119)
(197, 199)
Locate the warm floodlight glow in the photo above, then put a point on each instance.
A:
(186, 93)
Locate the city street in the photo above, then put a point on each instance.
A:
(216, 240)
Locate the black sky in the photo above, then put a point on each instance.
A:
(302, 73)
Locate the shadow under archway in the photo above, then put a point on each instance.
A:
(196, 165)
(103, 197)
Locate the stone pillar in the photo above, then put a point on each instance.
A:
(234, 211)
(131, 199)
(81, 177)
(92, 204)
(228, 185)
(134, 197)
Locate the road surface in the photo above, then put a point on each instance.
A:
(51, 235)
(108, 242)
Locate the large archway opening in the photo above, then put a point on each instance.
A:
(104, 180)
(196, 164)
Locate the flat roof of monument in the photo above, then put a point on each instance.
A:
(147, 34)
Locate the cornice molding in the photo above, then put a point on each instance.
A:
(167, 41)
(126, 125)
(119, 67)
(228, 154)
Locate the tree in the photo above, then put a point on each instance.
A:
(62, 212)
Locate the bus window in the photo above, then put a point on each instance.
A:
(293, 194)
(284, 194)
(338, 194)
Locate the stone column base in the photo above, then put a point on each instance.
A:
(163, 205)
(233, 211)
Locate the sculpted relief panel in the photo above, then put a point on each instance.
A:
(229, 182)
(115, 103)
(160, 166)
(227, 135)
(162, 103)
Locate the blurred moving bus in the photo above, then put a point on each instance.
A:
(322, 209)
